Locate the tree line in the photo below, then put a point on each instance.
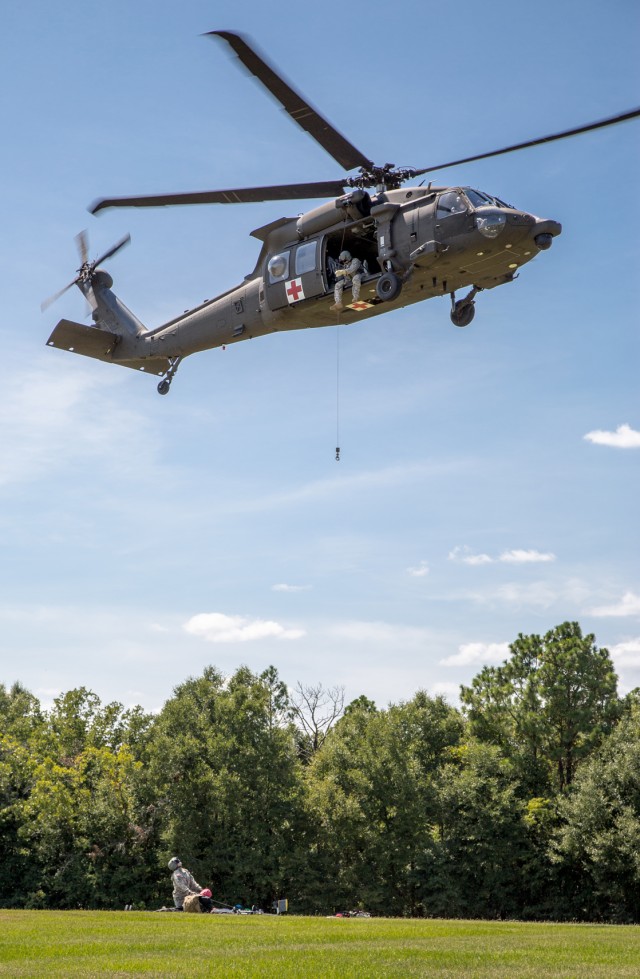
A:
(524, 802)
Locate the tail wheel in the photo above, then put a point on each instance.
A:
(388, 287)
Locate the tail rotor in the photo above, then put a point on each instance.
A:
(86, 272)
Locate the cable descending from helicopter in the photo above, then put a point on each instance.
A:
(338, 393)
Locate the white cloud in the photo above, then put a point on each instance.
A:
(626, 653)
(516, 556)
(290, 588)
(629, 604)
(466, 556)
(421, 571)
(478, 652)
(624, 437)
(526, 557)
(217, 627)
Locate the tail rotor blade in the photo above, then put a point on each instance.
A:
(82, 241)
(48, 302)
(116, 248)
(87, 269)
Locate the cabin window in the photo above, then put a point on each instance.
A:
(278, 267)
(306, 257)
(450, 203)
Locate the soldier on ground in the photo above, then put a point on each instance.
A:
(184, 883)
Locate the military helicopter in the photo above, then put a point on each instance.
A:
(414, 243)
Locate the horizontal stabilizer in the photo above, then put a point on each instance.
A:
(100, 344)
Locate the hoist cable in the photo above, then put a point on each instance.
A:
(344, 231)
(338, 393)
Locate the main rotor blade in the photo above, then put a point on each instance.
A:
(116, 248)
(344, 152)
(246, 195)
(610, 121)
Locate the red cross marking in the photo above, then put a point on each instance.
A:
(294, 290)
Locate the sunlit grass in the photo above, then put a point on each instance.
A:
(83, 943)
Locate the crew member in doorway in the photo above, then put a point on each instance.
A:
(349, 271)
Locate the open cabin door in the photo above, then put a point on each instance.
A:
(294, 274)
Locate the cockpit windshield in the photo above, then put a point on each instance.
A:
(479, 199)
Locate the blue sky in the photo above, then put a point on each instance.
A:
(488, 480)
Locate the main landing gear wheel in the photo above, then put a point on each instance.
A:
(462, 313)
(388, 286)
(163, 387)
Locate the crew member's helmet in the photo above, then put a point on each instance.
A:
(174, 863)
(344, 257)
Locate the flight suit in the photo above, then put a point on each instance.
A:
(351, 273)
(184, 883)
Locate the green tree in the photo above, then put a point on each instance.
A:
(82, 828)
(597, 849)
(482, 862)
(547, 707)
(79, 720)
(226, 774)
(372, 802)
(20, 713)
(17, 870)
(77, 827)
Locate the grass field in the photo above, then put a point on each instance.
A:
(85, 943)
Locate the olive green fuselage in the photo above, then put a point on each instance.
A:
(414, 244)
(433, 254)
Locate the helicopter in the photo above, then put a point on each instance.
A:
(413, 243)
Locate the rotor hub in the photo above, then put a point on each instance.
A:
(388, 177)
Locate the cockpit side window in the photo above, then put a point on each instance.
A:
(479, 199)
(450, 203)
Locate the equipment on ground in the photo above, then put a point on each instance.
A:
(415, 243)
